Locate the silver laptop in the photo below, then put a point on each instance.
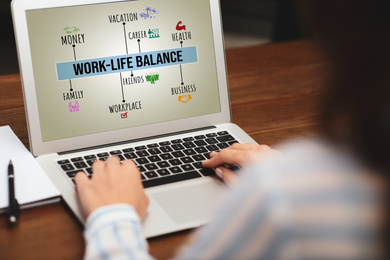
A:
(142, 80)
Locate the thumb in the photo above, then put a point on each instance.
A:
(227, 175)
(81, 179)
(84, 193)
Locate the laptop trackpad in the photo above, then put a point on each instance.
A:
(190, 203)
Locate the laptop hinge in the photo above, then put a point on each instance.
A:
(136, 140)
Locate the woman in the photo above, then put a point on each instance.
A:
(315, 199)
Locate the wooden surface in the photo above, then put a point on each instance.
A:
(275, 93)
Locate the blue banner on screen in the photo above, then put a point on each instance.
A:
(130, 62)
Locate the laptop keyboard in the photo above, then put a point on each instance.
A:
(161, 163)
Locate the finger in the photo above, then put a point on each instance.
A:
(84, 192)
(247, 146)
(227, 175)
(112, 164)
(229, 156)
(112, 160)
(98, 167)
(212, 154)
(81, 180)
(130, 164)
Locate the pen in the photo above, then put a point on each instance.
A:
(13, 209)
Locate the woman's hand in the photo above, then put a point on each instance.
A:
(112, 182)
(237, 154)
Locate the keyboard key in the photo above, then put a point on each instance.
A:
(212, 148)
(189, 145)
(103, 155)
(63, 162)
(222, 145)
(232, 142)
(116, 152)
(152, 145)
(176, 141)
(67, 167)
(90, 157)
(198, 165)
(171, 179)
(187, 160)
(90, 162)
(141, 147)
(225, 138)
(141, 168)
(198, 157)
(187, 167)
(198, 137)
(120, 157)
(166, 149)
(175, 162)
(80, 165)
(128, 150)
(151, 167)
(178, 154)
(142, 161)
(163, 164)
(211, 135)
(89, 170)
(163, 172)
(211, 141)
(207, 172)
(154, 151)
(200, 143)
(166, 156)
(201, 150)
(177, 147)
(130, 155)
(72, 174)
(164, 143)
(188, 139)
(175, 169)
(223, 133)
(78, 159)
(151, 174)
(189, 152)
(142, 153)
(154, 158)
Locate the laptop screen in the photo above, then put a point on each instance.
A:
(112, 66)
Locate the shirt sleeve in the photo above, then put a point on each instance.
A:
(309, 203)
(115, 232)
(246, 226)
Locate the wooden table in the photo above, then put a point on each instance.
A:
(275, 92)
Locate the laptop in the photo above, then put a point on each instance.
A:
(143, 80)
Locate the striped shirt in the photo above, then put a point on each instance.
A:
(311, 202)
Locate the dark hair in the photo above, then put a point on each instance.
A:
(356, 34)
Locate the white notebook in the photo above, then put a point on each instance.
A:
(32, 186)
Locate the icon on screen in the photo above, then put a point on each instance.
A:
(75, 107)
(123, 116)
(180, 27)
(185, 98)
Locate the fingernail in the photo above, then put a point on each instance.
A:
(219, 172)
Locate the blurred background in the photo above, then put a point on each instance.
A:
(245, 22)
